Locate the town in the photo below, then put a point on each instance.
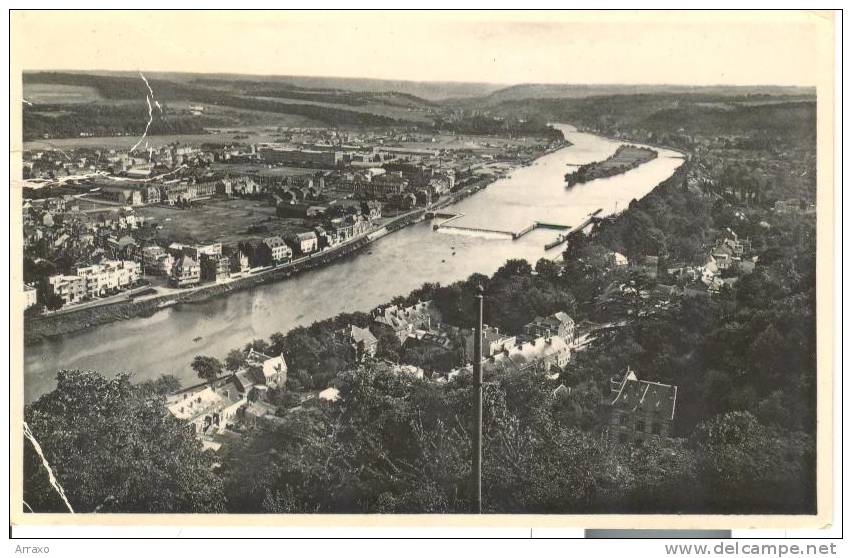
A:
(105, 225)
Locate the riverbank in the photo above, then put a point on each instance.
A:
(36, 329)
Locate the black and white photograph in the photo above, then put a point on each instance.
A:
(387, 263)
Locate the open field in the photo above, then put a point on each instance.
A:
(37, 93)
(260, 170)
(218, 221)
(255, 135)
(400, 113)
(463, 142)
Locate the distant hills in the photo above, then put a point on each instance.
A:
(451, 91)
(579, 91)
(79, 103)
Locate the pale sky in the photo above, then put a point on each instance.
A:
(692, 48)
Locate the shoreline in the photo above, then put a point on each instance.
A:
(41, 328)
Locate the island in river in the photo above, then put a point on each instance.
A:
(625, 158)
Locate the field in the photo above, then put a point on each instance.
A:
(255, 135)
(223, 221)
(485, 144)
(59, 94)
(400, 113)
(260, 170)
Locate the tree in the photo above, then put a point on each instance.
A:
(235, 360)
(113, 447)
(53, 301)
(208, 368)
(547, 268)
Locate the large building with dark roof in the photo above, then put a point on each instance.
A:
(641, 409)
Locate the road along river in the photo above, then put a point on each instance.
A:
(394, 265)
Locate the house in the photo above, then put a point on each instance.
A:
(540, 354)
(329, 395)
(404, 321)
(30, 296)
(256, 411)
(559, 324)
(492, 342)
(362, 342)
(70, 288)
(185, 272)
(269, 371)
(109, 276)
(617, 259)
(278, 251)
(208, 408)
(649, 265)
(215, 267)
(157, 261)
(640, 409)
(303, 243)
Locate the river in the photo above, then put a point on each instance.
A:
(394, 265)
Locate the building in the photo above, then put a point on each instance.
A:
(363, 343)
(302, 157)
(270, 372)
(559, 324)
(208, 408)
(215, 268)
(279, 252)
(304, 243)
(109, 276)
(538, 355)
(196, 252)
(70, 288)
(156, 261)
(30, 296)
(640, 409)
(381, 187)
(404, 321)
(185, 273)
(492, 342)
(125, 195)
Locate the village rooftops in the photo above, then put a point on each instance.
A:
(553, 321)
(526, 355)
(415, 316)
(641, 395)
(201, 399)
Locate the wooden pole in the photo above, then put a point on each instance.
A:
(477, 406)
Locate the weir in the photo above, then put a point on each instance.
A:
(450, 217)
(590, 218)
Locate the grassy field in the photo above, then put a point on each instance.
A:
(255, 135)
(37, 93)
(485, 144)
(401, 113)
(223, 221)
(253, 168)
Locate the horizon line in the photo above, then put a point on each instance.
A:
(436, 81)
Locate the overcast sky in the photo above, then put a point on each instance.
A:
(613, 47)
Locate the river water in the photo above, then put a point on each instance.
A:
(393, 265)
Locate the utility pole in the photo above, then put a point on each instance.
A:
(476, 469)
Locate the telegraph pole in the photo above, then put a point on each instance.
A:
(476, 469)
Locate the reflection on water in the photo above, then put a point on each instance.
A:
(165, 343)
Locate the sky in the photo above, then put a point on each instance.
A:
(691, 48)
